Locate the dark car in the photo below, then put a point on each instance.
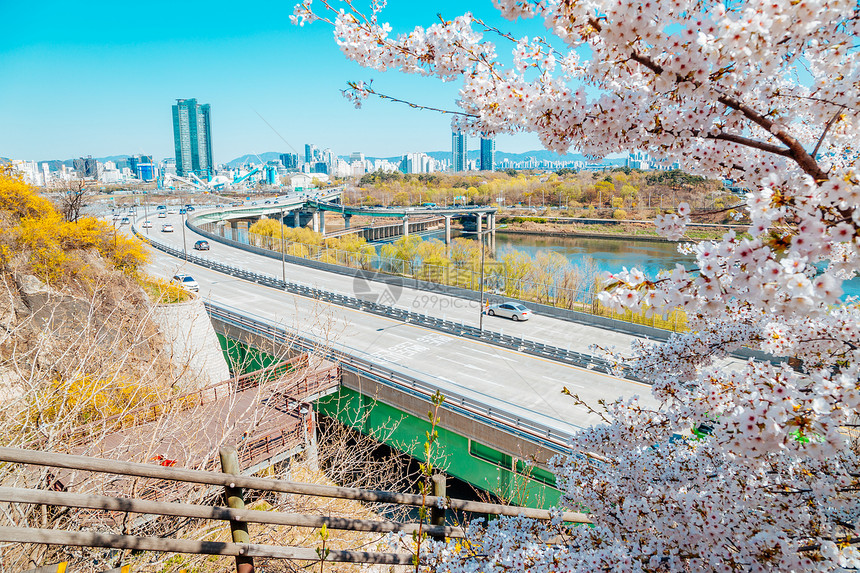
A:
(201, 245)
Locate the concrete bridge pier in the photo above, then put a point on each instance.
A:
(478, 220)
(298, 218)
(318, 222)
(346, 219)
(447, 229)
(405, 225)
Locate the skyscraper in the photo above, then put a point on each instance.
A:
(488, 153)
(310, 153)
(458, 151)
(192, 138)
(290, 160)
(86, 167)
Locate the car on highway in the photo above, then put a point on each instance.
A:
(513, 310)
(187, 281)
(201, 246)
(182, 211)
(162, 215)
(167, 228)
(146, 224)
(189, 208)
(125, 221)
(161, 208)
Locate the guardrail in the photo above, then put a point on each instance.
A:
(535, 432)
(518, 344)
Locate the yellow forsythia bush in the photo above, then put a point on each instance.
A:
(36, 228)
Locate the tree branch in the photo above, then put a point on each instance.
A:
(827, 127)
(749, 142)
(370, 91)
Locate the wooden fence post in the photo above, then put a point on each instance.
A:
(437, 514)
(239, 529)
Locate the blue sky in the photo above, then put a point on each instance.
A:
(99, 78)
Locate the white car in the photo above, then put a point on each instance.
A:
(513, 310)
(187, 281)
(167, 228)
(146, 224)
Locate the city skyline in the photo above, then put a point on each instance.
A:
(275, 85)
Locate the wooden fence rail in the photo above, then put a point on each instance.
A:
(114, 541)
(238, 517)
(135, 469)
(106, 503)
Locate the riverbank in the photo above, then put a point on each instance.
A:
(625, 230)
(579, 235)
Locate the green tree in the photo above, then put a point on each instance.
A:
(511, 270)
(403, 253)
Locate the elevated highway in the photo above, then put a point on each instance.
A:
(525, 386)
(298, 210)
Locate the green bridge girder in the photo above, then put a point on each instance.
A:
(473, 462)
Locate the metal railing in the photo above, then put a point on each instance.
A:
(541, 434)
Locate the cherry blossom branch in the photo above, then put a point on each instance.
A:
(368, 90)
(827, 127)
(795, 150)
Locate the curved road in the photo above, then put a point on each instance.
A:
(523, 385)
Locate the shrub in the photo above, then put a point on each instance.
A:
(619, 214)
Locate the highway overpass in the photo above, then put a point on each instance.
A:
(511, 385)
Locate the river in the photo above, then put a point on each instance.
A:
(613, 254)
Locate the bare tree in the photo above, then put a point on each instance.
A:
(72, 199)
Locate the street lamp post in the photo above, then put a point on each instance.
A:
(283, 251)
(481, 319)
(480, 235)
(184, 244)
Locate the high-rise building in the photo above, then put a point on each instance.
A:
(310, 153)
(289, 160)
(458, 151)
(192, 138)
(142, 167)
(86, 167)
(488, 153)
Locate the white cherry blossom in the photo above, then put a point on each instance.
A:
(750, 468)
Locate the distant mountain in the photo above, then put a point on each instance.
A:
(254, 158)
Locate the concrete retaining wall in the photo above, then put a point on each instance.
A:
(195, 351)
